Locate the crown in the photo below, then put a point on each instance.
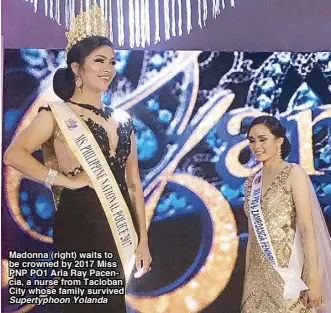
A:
(87, 24)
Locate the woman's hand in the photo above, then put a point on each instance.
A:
(79, 181)
(142, 256)
(313, 297)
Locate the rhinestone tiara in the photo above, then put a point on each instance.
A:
(87, 24)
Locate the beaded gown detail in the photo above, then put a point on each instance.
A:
(80, 223)
(263, 286)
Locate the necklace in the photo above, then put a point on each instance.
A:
(105, 113)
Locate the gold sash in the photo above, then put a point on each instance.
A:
(87, 151)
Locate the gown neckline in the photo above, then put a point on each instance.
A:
(274, 180)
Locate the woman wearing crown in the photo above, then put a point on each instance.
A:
(91, 166)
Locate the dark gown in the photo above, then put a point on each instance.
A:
(80, 223)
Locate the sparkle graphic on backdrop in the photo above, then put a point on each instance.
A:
(191, 110)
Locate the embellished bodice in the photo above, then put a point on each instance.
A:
(279, 213)
(112, 131)
(263, 286)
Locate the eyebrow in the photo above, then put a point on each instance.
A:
(104, 57)
(259, 136)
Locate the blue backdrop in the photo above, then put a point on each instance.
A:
(191, 110)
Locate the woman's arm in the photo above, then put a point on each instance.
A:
(143, 257)
(135, 189)
(19, 153)
(299, 184)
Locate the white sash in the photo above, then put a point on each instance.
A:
(87, 151)
(291, 275)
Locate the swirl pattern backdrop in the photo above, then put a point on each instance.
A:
(191, 110)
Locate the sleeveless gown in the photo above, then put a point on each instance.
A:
(80, 223)
(263, 287)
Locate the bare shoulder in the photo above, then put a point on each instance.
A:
(37, 132)
(297, 171)
(46, 110)
(298, 177)
(42, 125)
(45, 115)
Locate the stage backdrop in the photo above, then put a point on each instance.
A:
(191, 110)
(253, 25)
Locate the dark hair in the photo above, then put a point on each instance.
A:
(276, 128)
(64, 78)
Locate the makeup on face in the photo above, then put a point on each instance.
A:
(99, 69)
(262, 143)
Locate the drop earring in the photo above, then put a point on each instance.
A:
(79, 82)
(279, 152)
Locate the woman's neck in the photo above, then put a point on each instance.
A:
(87, 98)
(272, 165)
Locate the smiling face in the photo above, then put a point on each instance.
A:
(263, 144)
(98, 69)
